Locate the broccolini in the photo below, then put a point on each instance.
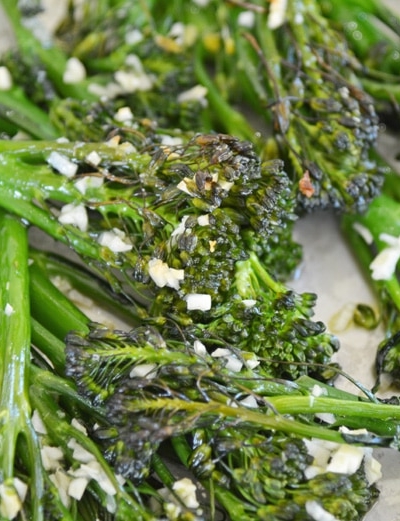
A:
(373, 238)
(180, 213)
(295, 71)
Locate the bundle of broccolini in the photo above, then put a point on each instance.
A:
(292, 67)
(135, 159)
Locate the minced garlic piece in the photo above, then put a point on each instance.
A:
(8, 310)
(74, 214)
(318, 513)
(10, 501)
(115, 240)
(5, 78)
(384, 265)
(196, 93)
(163, 275)
(74, 71)
(277, 13)
(62, 164)
(198, 301)
(186, 490)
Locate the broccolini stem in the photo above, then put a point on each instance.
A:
(268, 421)
(234, 122)
(52, 308)
(48, 344)
(264, 276)
(382, 90)
(87, 283)
(365, 13)
(281, 406)
(15, 408)
(364, 257)
(36, 216)
(382, 216)
(163, 472)
(25, 115)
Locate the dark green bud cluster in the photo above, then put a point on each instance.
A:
(261, 466)
(266, 318)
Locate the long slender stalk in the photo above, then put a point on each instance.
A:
(15, 408)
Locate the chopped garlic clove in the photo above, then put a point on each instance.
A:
(318, 513)
(51, 457)
(77, 487)
(62, 164)
(198, 301)
(74, 71)
(10, 502)
(277, 13)
(249, 401)
(79, 453)
(162, 275)
(115, 240)
(143, 371)
(186, 491)
(199, 348)
(6, 81)
(346, 459)
(384, 264)
(74, 214)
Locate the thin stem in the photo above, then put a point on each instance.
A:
(15, 408)
(274, 422)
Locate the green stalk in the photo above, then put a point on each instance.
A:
(16, 108)
(48, 344)
(264, 276)
(382, 90)
(367, 14)
(282, 406)
(85, 282)
(37, 151)
(52, 308)
(268, 421)
(36, 216)
(233, 121)
(383, 215)
(15, 407)
(162, 470)
(364, 258)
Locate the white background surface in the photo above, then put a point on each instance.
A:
(329, 270)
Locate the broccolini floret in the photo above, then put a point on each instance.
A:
(375, 42)
(300, 76)
(175, 224)
(189, 234)
(264, 316)
(151, 195)
(236, 430)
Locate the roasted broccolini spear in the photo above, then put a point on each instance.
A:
(41, 463)
(241, 433)
(51, 468)
(373, 238)
(292, 68)
(49, 75)
(187, 232)
(301, 77)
